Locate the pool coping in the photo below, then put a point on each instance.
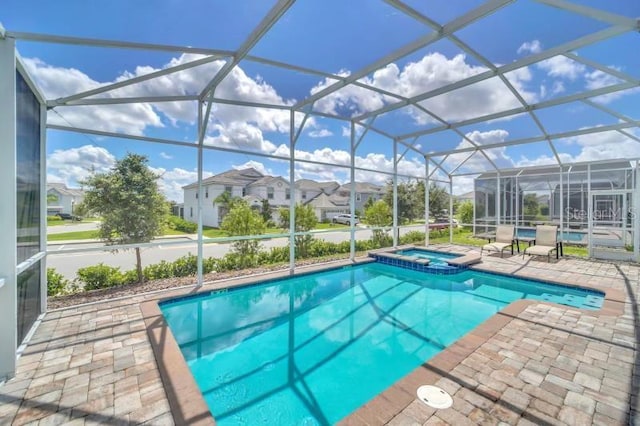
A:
(185, 399)
(189, 407)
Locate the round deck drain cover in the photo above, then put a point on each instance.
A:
(434, 397)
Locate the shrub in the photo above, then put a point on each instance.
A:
(100, 276)
(412, 237)
(130, 277)
(465, 213)
(319, 248)
(158, 271)
(274, 255)
(209, 264)
(56, 283)
(179, 224)
(185, 266)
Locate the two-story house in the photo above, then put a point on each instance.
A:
(327, 198)
(364, 192)
(61, 199)
(234, 182)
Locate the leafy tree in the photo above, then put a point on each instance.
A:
(438, 200)
(379, 215)
(306, 220)
(465, 212)
(265, 211)
(225, 202)
(132, 208)
(242, 220)
(531, 205)
(81, 209)
(406, 200)
(369, 203)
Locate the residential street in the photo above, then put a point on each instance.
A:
(68, 264)
(72, 227)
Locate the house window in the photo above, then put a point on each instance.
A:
(206, 193)
(228, 189)
(287, 194)
(244, 191)
(196, 194)
(270, 193)
(304, 195)
(358, 197)
(190, 211)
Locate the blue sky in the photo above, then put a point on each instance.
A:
(334, 37)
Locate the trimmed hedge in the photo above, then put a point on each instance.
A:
(103, 276)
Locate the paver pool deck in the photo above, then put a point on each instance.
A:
(532, 363)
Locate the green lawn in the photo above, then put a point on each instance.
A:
(58, 222)
(330, 226)
(92, 234)
(219, 233)
(77, 235)
(169, 231)
(461, 236)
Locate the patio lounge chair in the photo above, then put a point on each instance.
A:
(505, 238)
(546, 241)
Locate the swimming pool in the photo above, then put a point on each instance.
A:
(313, 348)
(435, 257)
(572, 236)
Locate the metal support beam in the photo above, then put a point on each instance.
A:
(450, 209)
(523, 141)
(292, 198)
(515, 111)
(426, 201)
(131, 81)
(272, 17)
(395, 193)
(200, 198)
(119, 101)
(521, 63)
(453, 26)
(78, 41)
(352, 193)
(8, 212)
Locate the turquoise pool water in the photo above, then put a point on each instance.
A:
(436, 258)
(311, 349)
(567, 235)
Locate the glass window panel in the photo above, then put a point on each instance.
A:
(28, 170)
(29, 305)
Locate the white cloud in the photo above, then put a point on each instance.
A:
(336, 158)
(346, 131)
(256, 165)
(240, 135)
(598, 79)
(478, 162)
(431, 72)
(558, 87)
(166, 156)
(172, 181)
(533, 46)
(562, 67)
(57, 82)
(320, 133)
(543, 91)
(75, 164)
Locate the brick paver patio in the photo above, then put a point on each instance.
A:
(534, 363)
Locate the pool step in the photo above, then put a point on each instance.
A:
(416, 263)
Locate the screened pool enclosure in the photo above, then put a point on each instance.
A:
(592, 204)
(532, 103)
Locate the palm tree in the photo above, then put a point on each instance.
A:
(224, 202)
